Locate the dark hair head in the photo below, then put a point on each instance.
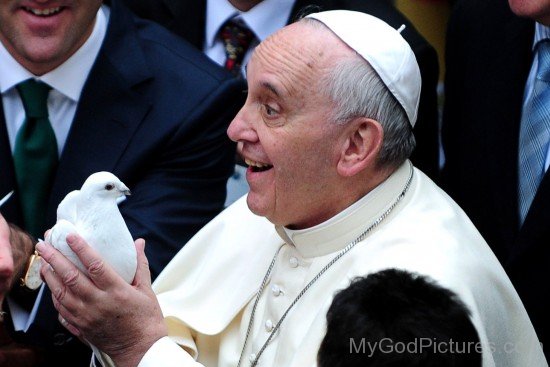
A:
(378, 320)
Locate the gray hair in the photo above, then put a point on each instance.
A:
(358, 91)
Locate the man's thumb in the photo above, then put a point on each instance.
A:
(143, 275)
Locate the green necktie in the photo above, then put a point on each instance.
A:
(35, 156)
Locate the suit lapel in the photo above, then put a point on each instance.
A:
(502, 114)
(109, 111)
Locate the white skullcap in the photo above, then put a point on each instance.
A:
(385, 50)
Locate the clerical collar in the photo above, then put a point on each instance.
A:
(69, 77)
(263, 19)
(338, 231)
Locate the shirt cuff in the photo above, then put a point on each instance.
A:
(166, 353)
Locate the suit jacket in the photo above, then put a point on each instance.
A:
(489, 55)
(187, 19)
(153, 111)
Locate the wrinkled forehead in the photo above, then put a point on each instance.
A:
(300, 53)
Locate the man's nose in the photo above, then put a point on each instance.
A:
(240, 128)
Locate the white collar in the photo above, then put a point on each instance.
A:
(263, 19)
(542, 32)
(69, 77)
(337, 232)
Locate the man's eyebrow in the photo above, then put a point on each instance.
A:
(271, 87)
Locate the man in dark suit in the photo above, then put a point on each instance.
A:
(188, 19)
(491, 69)
(150, 109)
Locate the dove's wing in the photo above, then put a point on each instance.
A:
(103, 227)
(57, 237)
(67, 207)
(112, 240)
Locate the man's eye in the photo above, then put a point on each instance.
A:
(270, 111)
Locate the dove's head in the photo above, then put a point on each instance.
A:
(105, 185)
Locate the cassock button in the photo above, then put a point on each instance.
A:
(252, 358)
(268, 325)
(293, 262)
(276, 290)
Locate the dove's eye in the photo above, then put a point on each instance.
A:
(109, 187)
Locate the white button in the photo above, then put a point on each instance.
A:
(252, 358)
(276, 290)
(293, 262)
(268, 325)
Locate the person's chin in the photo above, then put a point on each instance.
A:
(257, 203)
(531, 9)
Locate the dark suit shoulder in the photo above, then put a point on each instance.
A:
(176, 55)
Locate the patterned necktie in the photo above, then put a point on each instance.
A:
(236, 40)
(534, 132)
(35, 155)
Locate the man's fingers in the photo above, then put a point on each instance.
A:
(62, 293)
(6, 258)
(66, 272)
(99, 271)
(143, 274)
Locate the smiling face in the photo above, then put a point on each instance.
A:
(538, 10)
(285, 131)
(42, 34)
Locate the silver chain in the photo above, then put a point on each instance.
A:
(352, 244)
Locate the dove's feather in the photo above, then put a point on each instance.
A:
(103, 227)
(57, 236)
(67, 207)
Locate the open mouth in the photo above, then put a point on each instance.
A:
(258, 166)
(44, 12)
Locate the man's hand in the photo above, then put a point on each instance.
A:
(6, 259)
(120, 319)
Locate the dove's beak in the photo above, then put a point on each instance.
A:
(124, 190)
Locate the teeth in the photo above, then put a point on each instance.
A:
(256, 164)
(43, 12)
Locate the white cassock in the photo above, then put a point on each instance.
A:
(208, 290)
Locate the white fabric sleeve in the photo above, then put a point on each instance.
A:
(166, 353)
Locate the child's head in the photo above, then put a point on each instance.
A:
(395, 318)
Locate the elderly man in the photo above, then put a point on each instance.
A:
(326, 132)
(228, 31)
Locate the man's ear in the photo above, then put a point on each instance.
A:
(362, 141)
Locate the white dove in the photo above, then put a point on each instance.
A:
(92, 212)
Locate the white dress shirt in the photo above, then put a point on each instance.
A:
(263, 20)
(67, 81)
